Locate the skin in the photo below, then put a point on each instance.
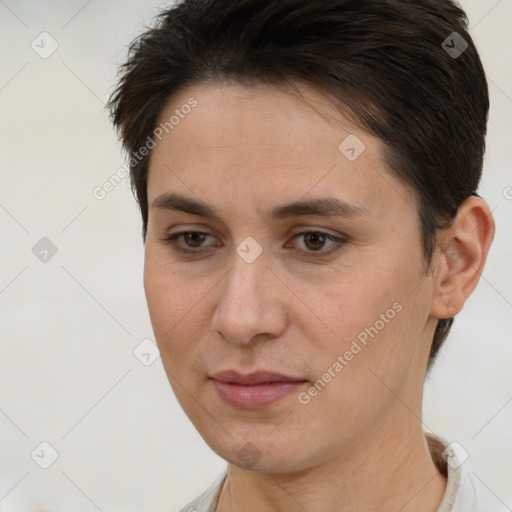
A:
(359, 443)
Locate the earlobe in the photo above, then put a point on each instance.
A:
(461, 256)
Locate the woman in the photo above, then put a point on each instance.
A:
(307, 177)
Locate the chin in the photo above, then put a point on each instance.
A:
(261, 453)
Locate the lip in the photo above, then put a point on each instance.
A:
(254, 390)
(250, 379)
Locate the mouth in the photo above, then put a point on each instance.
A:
(256, 390)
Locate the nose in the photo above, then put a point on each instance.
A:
(251, 303)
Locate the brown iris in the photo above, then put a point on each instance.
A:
(316, 240)
(194, 239)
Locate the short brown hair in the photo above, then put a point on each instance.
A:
(388, 62)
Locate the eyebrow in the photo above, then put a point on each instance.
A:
(322, 206)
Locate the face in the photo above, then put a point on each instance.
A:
(281, 249)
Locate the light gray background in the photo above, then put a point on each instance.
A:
(70, 325)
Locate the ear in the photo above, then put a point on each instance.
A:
(461, 256)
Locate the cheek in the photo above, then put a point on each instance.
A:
(373, 313)
(160, 286)
(177, 308)
(169, 293)
(173, 311)
(168, 300)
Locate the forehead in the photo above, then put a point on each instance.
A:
(267, 143)
(229, 115)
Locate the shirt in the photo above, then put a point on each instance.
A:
(460, 494)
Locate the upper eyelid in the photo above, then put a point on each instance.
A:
(294, 232)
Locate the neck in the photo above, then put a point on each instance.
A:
(385, 473)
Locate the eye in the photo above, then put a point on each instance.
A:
(315, 241)
(192, 240)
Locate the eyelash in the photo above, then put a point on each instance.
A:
(171, 241)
